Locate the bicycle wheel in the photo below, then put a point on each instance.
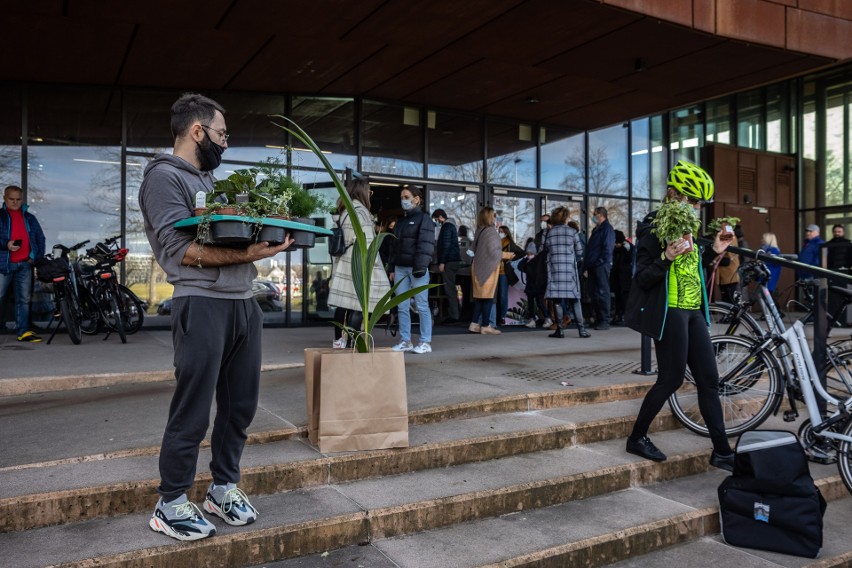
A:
(90, 323)
(71, 314)
(724, 321)
(110, 312)
(844, 457)
(838, 374)
(749, 388)
(131, 309)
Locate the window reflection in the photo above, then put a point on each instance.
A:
(461, 206)
(454, 146)
(607, 161)
(392, 139)
(640, 158)
(511, 153)
(561, 152)
(331, 124)
(617, 212)
(518, 214)
(750, 120)
(687, 134)
(777, 119)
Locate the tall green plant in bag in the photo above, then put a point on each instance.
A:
(363, 255)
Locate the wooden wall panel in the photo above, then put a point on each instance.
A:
(765, 181)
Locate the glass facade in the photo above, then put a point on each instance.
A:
(80, 153)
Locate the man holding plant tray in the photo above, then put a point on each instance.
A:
(216, 327)
(668, 302)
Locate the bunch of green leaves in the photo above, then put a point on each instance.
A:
(305, 203)
(715, 225)
(241, 181)
(674, 219)
(363, 255)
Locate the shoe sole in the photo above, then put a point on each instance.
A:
(160, 527)
(211, 508)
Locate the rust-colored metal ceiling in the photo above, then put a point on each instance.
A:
(585, 63)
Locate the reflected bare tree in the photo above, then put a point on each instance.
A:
(603, 179)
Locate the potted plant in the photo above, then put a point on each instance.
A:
(303, 204)
(724, 224)
(675, 220)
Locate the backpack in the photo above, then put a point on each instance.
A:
(337, 241)
(771, 502)
(536, 272)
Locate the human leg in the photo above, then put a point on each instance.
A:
(671, 364)
(22, 274)
(198, 334)
(577, 312)
(702, 363)
(421, 300)
(403, 277)
(601, 295)
(450, 270)
(502, 297)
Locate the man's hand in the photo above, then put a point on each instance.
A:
(440, 268)
(676, 248)
(209, 255)
(12, 247)
(261, 250)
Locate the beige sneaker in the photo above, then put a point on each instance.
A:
(474, 328)
(488, 330)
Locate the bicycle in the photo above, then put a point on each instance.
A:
(120, 310)
(735, 319)
(74, 309)
(754, 376)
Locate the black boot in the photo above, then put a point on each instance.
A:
(557, 333)
(582, 329)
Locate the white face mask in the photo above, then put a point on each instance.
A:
(543, 225)
(407, 204)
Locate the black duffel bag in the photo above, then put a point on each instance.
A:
(771, 502)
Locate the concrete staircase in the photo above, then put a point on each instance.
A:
(536, 478)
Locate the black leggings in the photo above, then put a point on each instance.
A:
(686, 341)
(351, 318)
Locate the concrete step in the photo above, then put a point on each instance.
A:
(38, 495)
(305, 521)
(670, 523)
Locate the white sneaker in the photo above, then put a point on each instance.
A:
(530, 324)
(234, 508)
(547, 322)
(339, 343)
(183, 522)
(423, 348)
(403, 346)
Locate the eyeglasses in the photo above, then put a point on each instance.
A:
(222, 133)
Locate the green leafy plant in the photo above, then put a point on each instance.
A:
(305, 203)
(674, 219)
(363, 255)
(715, 225)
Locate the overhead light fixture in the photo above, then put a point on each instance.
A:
(273, 147)
(532, 101)
(130, 164)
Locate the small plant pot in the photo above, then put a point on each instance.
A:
(303, 239)
(688, 238)
(273, 235)
(230, 232)
(199, 211)
(226, 211)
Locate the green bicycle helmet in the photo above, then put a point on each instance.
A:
(691, 181)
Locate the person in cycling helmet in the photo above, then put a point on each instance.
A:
(668, 302)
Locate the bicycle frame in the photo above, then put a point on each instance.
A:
(803, 361)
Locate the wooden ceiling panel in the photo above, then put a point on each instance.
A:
(607, 111)
(422, 74)
(322, 23)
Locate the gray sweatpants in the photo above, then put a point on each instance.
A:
(217, 352)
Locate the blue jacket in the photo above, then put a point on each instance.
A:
(601, 243)
(809, 255)
(448, 243)
(36, 236)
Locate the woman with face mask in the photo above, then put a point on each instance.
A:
(409, 266)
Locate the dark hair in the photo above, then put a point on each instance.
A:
(838, 226)
(12, 188)
(600, 211)
(416, 192)
(462, 230)
(508, 233)
(439, 213)
(359, 190)
(574, 225)
(191, 107)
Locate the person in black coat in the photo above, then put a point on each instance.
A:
(622, 275)
(449, 261)
(598, 265)
(409, 266)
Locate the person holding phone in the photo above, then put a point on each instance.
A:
(21, 244)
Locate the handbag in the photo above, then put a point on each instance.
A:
(509, 271)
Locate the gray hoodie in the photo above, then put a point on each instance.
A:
(167, 195)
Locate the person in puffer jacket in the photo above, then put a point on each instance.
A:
(409, 265)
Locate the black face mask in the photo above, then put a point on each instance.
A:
(209, 154)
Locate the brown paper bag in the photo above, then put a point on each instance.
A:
(312, 388)
(363, 401)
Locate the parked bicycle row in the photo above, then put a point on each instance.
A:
(87, 296)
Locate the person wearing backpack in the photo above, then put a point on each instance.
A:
(342, 293)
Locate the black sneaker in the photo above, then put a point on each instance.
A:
(183, 522)
(645, 448)
(725, 462)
